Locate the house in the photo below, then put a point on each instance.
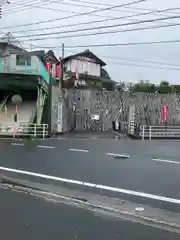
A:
(88, 68)
(22, 64)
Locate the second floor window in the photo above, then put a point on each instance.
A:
(23, 60)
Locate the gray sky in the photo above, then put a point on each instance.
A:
(20, 12)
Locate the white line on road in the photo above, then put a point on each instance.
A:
(166, 161)
(16, 139)
(17, 144)
(118, 155)
(78, 150)
(92, 185)
(48, 147)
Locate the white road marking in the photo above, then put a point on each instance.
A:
(42, 146)
(166, 161)
(18, 144)
(118, 155)
(78, 150)
(92, 185)
(16, 139)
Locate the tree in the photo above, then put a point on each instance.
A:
(165, 87)
(144, 87)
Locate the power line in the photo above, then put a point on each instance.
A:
(23, 7)
(23, 4)
(137, 60)
(102, 33)
(106, 4)
(61, 10)
(144, 9)
(96, 21)
(146, 66)
(77, 15)
(51, 9)
(142, 61)
(71, 4)
(112, 44)
(104, 27)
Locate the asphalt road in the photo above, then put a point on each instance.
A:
(29, 217)
(91, 160)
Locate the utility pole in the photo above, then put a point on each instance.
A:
(50, 103)
(62, 67)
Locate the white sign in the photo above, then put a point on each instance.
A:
(95, 117)
(86, 59)
(59, 118)
(82, 83)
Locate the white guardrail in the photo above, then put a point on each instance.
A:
(24, 129)
(159, 131)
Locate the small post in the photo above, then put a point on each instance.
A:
(143, 133)
(35, 130)
(165, 127)
(16, 100)
(14, 130)
(6, 116)
(150, 132)
(44, 130)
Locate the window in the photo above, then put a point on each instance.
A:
(28, 59)
(23, 60)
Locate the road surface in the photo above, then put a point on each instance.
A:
(24, 216)
(151, 170)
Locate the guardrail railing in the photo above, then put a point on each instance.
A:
(159, 131)
(24, 129)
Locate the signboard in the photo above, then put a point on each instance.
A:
(59, 117)
(82, 58)
(95, 117)
(164, 112)
(24, 71)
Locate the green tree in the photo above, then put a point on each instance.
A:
(165, 87)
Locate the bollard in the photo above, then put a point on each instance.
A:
(143, 133)
(150, 132)
(34, 130)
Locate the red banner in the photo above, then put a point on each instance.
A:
(164, 111)
(58, 70)
(48, 67)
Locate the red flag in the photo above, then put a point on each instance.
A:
(58, 70)
(48, 67)
(77, 75)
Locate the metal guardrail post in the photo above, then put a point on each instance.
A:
(143, 133)
(150, 132)
(44, 130)
(35, 130)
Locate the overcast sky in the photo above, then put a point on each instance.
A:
(21, 12)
